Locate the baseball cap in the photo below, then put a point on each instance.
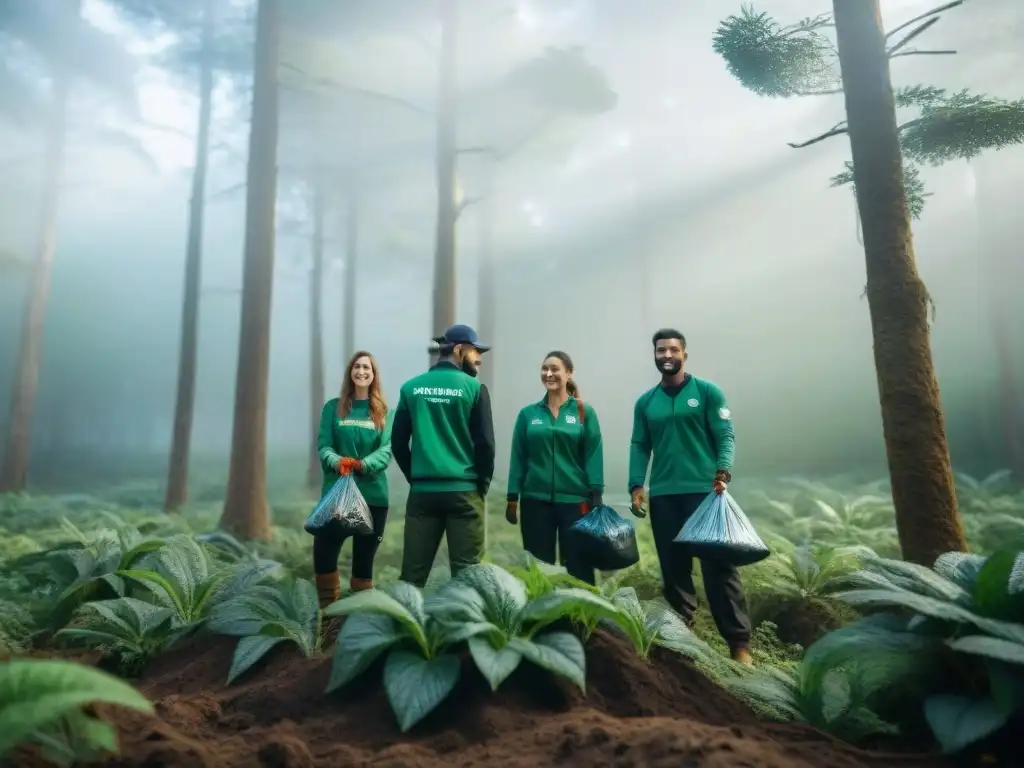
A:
(460, 334)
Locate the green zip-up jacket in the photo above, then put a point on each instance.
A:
(355, 437)
(689, 433)
(443, 438)
(557, 459)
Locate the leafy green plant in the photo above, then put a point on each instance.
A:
(39, 703)
(974, 607)
(266, 616)
(419, 672)
(183, 578)
(649, 624)
(135, 630)
(95, 569)
(839, 680)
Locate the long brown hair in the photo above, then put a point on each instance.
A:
(570, 386)
(378, 405)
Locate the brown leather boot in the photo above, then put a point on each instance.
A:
(358, 585)
(742, 656)
(328, 588)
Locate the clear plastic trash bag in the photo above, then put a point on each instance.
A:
(719, 530)
(606, 540)
(343, 507)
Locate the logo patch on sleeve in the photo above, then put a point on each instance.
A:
(724, 413)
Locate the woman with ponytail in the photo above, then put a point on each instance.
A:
(556, 473)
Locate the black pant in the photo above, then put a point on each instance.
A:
(327, 546)
(545, 525)
(721, 579)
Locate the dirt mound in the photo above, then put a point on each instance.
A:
(634, 714)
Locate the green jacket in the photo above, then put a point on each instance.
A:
(689, 433)
(443, 437)
(355, 437)
(558, 459)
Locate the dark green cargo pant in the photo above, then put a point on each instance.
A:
(456, 515)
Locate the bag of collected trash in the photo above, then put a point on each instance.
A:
(342, 506)
(719, 530)
(606, 539)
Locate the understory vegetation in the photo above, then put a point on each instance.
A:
(848, 637)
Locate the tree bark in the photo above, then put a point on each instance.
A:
(246, 509)
(351, 277)
(26, 383)
(924, 496)
(316, 343)
(184, 407)
(487, 297)
(447, 120)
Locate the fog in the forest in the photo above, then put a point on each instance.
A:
(683, 206)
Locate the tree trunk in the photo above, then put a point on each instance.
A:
(316, 343)
(184, 406)
(351, 270)
(486, 279)
(1000, 251)
(447, 118)
(26, 383)
(246, 510)
(927, 518)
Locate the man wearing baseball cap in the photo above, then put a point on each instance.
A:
(443, 441)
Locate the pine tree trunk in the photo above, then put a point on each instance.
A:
(927, 518)
(447, 121)
(1000, 253)
(316, 342)
(246, 510)
(351, 278)
(487, 295)
(14, 477)
(184, 406)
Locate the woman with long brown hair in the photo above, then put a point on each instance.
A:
(354, 437)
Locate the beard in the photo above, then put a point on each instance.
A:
(469, 368)
(668, 366)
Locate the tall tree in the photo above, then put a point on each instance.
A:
(351, 275)
(316, 329)
(447, 137)
(246, 509)
(69, 48)
(800, 60)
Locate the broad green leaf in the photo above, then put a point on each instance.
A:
(381, 602)
(961, 568)
(557, 652)
(936, 609)
(569, 603)
(994, 595)
(990, 647)
(959, 721)
(362, 639)
(503, 594)
(35, 693)
(460, 633)
(249, 651)
(415, 686)
(162, 588)
(456, 602)
(494, 664)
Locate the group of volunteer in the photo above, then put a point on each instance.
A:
(441, 436)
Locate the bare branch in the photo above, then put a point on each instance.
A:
(914, 52)
(335, 85)
(828, 92)
(915, 33)
(837, 130)
(927, 14)
(466, 202)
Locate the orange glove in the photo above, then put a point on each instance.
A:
(347, 465)
(721, 482)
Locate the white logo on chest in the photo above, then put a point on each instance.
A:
(537, 421)
(570, 419)
(693, 402)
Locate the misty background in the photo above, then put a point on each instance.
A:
(681, 207)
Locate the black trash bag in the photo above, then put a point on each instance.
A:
(606, 540)
(719, 530)
(342, 507)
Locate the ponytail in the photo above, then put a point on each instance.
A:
(574, 391)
